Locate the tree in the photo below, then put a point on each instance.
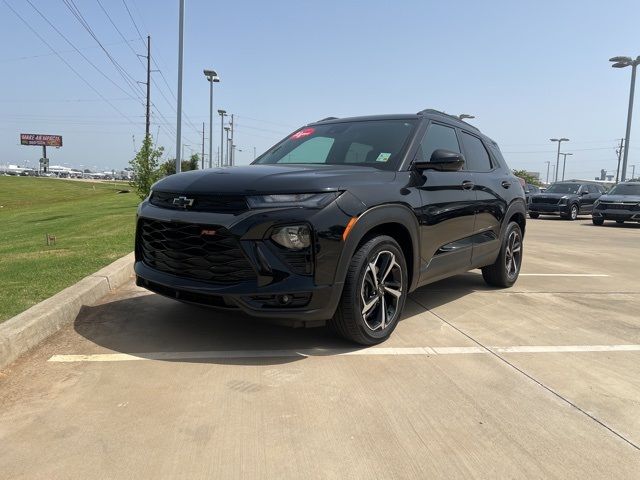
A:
(169, 167)
(145, 167)
(527, 177)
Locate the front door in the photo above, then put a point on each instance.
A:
(448, 209)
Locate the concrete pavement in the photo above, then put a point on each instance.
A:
(453, 394)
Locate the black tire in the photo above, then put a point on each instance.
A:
(349, 320)
(503, 273)
(597, 220)
(620, 221)
(534, 214)
(574, 210)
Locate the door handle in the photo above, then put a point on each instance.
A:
(506, 184)
(467, 185)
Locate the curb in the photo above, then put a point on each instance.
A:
(26, 330)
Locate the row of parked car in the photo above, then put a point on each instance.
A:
(570, 199)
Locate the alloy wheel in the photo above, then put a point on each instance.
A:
(513, 255)
(574, 212)
(381, 291)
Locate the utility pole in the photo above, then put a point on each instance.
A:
(633, 171)
(203, 147)
(231, 159)
(547, 162)
(226, 160)
(146, 130)
(619, 153)
(222, 114)
(179, 109)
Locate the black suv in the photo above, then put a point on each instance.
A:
(567, 199)
(339, 221)
(621, 203)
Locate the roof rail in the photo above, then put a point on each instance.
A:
(438, 112)
(328, 118)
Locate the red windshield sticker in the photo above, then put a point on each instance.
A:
(303, 133)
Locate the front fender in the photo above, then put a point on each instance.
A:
(397, 214)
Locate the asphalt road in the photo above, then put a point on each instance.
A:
(538, 381)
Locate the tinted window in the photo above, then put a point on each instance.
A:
(437, 136)
(625, 189)
(593, 189)
(357, 153)
(564, 188)
(375, 143)
(476, 156)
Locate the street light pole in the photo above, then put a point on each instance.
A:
(222, 114)
(633, 171)
(212, 76)
(559, 140)
(179, 108)
(564, 163)
(621, 62)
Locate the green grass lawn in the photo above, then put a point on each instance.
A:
(93, 224)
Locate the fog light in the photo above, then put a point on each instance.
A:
(284, 299)
(295, 237)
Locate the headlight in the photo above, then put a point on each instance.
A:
(563, 200)
(596, 203)
(303, 200)
(295, 237)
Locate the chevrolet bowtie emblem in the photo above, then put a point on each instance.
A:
(183, 202)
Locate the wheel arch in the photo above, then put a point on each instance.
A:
(516, 212)
(396, 221)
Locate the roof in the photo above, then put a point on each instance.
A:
(429, 113)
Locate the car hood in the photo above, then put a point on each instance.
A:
(264, 179)
(620, 198)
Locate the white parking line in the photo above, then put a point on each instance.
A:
(320, 352)
(563, 275)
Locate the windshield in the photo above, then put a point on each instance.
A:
(622, 189)
(375, 143)
(564, 188)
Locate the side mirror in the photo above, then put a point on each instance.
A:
(443, 161)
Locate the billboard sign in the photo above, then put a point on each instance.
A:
(40, 140)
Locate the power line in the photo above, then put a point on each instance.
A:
(65, 62)
(78, 51)
(131, 82)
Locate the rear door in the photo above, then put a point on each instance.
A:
(588, 199)
(492, 187)
(448, 209)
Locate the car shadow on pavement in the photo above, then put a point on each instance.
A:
(611, 224)
(146, 325)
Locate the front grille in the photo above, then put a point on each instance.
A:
(181, 249)
(617, 206)
(201, 202)
(547, 200)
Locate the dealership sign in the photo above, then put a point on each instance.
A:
(41, 140)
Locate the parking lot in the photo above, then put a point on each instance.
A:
(538, 381)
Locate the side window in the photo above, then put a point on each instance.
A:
(438, 136)
(314, 150)
(357, 153)
(476, 156)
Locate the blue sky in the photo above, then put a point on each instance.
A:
(528, 71)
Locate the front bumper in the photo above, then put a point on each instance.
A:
(318, 302)
(617, 214)
(276, 291)
(549, 208)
